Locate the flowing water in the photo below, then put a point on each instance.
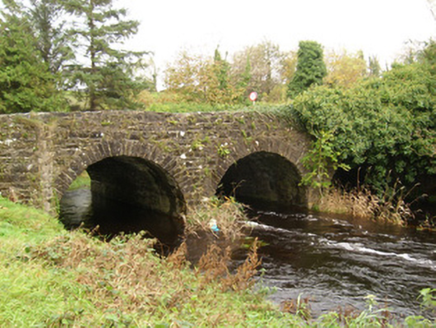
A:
(332, 260)
(338, 261)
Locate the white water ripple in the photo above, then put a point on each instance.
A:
(359, 248)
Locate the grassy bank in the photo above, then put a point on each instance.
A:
(53, 278)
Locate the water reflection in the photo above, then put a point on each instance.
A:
(77, 208)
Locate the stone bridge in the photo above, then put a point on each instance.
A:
(161, 161)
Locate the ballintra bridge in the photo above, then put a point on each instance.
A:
(160, 161)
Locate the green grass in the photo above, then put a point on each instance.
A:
(81, 182)
(184, 107)
(192, 107)
(20, 224)
(53, 278)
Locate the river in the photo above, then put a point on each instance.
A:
(337, 261)
(334, 261)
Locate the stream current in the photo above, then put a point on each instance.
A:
(334, 261)
(337, 261)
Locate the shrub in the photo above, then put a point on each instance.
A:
(388, 124)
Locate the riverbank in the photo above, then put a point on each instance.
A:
(52, 277)
(360, 202)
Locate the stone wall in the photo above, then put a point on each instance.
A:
(41, 154)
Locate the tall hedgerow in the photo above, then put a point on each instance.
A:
(386, 124)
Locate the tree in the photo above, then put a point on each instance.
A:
(311, 68)
(54, 40)
(100, 27)
(242, 81)
(265, 63)
(288, 66)
(412, 52)
(202, 79)
(387, 125)
(184, 76)
(222, 68)
(428, 55)
(26, 83)
(374, 68)
(344, 69)
(245, 77)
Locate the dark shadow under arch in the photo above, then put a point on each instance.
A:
(130, 194)
(138, 182)
(264, 180)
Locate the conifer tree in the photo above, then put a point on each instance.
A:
(222, 68)
(243, 81)
(26, 83)
(311, 68)
(374, 68)
(54, 40)
(108, 76)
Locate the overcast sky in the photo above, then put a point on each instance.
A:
(378, 27)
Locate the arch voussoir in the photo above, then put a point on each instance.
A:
(105, 149)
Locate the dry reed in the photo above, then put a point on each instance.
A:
(228, 214)
(360, 202)
(125, 275)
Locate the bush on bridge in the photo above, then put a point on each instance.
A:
(387, 124)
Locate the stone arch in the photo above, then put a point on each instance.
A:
(133, 189)
(106, 149)
(285, 159)
(137, 182)
(240, 149)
